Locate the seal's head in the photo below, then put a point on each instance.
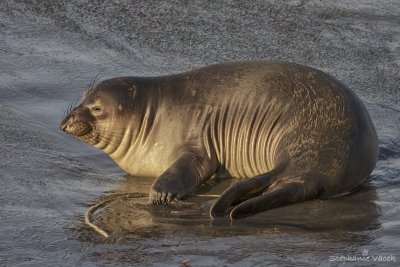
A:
(99, 118)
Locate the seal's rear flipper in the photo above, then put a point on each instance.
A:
(243, 189)
(277, 196)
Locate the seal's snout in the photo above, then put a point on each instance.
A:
(76, 125)
(65, 122)
(63, 126)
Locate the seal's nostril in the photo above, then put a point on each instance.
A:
(63, 126)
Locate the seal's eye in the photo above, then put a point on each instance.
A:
(97, 110)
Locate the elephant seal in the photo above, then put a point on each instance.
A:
(294, 132)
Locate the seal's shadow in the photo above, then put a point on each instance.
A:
(128, 214)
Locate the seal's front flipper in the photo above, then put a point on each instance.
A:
(277, 196)
(253, 186)
(185, 174)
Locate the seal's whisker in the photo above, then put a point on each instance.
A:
(92, 84)
(71, 106)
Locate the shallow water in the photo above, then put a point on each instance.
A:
(51, 50)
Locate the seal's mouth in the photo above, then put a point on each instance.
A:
(76, 128)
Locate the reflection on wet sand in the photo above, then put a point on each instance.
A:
(130, 216)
